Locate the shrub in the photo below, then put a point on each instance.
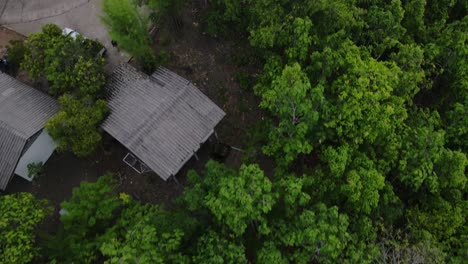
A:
(35, 169)
(15, 55)
(245, 80)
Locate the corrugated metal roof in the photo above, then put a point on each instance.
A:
(162, 118)
(23, 112)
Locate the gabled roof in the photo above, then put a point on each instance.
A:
(23, 112)
(162, 118)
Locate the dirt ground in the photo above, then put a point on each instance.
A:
(6, 36)
(208, 63)
(212, 64)
(64, 171)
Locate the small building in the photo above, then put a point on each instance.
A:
(162, 119)
(23, 113)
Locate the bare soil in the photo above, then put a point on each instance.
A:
(6, 36)
(209, 64)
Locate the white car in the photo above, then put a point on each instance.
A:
(72, 33)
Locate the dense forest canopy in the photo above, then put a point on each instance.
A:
(368, 128)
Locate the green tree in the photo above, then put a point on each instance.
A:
(129, 28)
(315, 234)
(235, 199)
(139, 237)
(416, 166)
(269, 253)
(76, 76)
(16, 50)
(75, 126)
(213, 249)
(362, 105)
(21, 213)
(295, 103)
(86, 217)
(68, 64)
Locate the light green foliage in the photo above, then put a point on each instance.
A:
(35, 58)
(362, 185)
(288, 99)
(213, 249)
(129, 28)
(350, 178)
(89, 213)
(138, 237)
(293, 195)
(98, 224)
(269, 253)
(302, 40)
(20, 215)
(91, 204)
(363, 107)
(319, 233)
(410, 59)
(337, 159)
(88, 83)
(377, 91)
(366, 121)
(450, 169)
(74, 127)
(235, 199)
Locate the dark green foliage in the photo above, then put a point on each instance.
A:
(213, 24)
(165, 9)
(149, 63)
(15, 55)
(35, 169)
(246, 81)
(88, 214)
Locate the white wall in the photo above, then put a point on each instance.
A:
(39, 151)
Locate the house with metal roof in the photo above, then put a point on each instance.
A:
(23, 113)
(161, 119)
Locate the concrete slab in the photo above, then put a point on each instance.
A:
(28, 16)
